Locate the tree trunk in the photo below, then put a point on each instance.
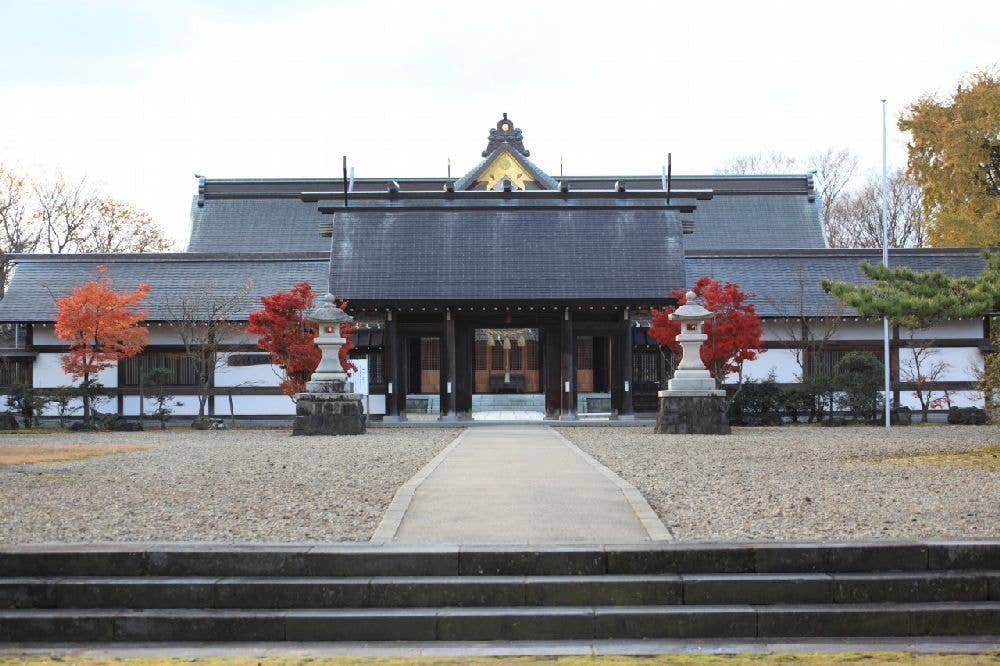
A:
(86, 398)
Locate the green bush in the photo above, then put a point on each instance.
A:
(756, 403)
(796, 402)
(157, 378)
(859, 380)
(819, 391)
(27, 402)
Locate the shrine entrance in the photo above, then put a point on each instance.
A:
(507, 374)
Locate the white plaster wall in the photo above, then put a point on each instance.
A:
(47, 372)
(958, 399)
(779, 330)
(163, 335)
(858, 330)
(255, 404)
(962, 363)
(240, 338)
(966, 328)
(188, 408)
(781, 361)
(44, 334)
(246, 375)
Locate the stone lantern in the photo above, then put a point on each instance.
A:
(329, 376)
(691, 373)
(329, 406)
(692, 404)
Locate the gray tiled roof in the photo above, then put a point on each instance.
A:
(511, 255)
(784, 279)
(765, 221)
(256, 225)
(39, 280)
(269, 216)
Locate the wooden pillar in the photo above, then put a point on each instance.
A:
(551, 371)
(391, 359)
(568, 386)
(625, 360)
(464, 362)
(449, 374)
(616, 383)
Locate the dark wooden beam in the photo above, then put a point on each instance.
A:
(625, 361)
(449, 368)
(392, 369)
(568, 355)
(550, 362)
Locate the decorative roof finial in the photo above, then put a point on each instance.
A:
(505, 131)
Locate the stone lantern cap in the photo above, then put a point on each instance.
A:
(327, 312)
(691, 311)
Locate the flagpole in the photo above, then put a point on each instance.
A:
(885, 262)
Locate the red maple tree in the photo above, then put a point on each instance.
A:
(734, 333)
(285, 334)
(103, 327)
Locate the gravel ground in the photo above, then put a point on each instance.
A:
(237, 485)
(805, 482)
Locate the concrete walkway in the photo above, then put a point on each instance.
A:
(518, 485)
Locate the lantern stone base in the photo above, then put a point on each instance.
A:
(329, 414)
(692, 413)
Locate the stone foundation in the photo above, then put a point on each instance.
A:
(329, 414)
(692, 415)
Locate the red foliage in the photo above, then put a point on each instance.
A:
(101, 325)
(734, 334)
(284, 333)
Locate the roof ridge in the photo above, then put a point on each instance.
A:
(830, 251)
(139, 257)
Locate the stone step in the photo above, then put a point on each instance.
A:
(489, 624)
(398, 560)
(480, 591)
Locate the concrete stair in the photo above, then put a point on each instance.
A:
(164, 592)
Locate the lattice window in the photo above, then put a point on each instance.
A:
(430, 354)
(496, 357)
(480, 355)
(822, 363)
(516, 357)
(376, 368)
(585, 353)
(179, 365)
(531, 352)
(15, 371)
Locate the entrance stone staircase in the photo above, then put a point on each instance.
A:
(106, 593)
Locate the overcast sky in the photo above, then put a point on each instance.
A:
(139, 96)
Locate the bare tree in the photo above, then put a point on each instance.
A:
(60, 216)
(64, 210)
(834, 169)
(857, 222)
(116, 226)
(759, 163)
(810, 326)
(204, 322)
(18, 233)
(921, 368)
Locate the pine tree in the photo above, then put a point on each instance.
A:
(920, 299)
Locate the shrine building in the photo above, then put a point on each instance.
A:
(505, 291)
